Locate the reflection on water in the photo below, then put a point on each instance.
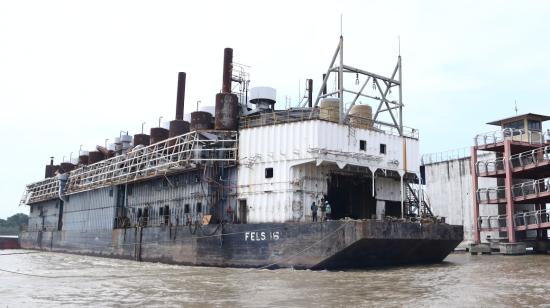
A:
(461, 281)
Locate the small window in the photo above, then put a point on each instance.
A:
(515, 125)
(534, 125)
(268, 173)
(186, 208)
(130, 190)
(382, 148)
(111, 192)
(199, 207)
(362, 145)
(32, 208)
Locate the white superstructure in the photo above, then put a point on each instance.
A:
(285, 167)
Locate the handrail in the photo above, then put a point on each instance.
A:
(524, 189)
(530, 157)
(494, 137)
(173, 154)
(306, 114)
(489, 166)
(492, 221)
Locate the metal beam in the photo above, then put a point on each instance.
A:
(327, 76)
(357, 70)
(358, 94)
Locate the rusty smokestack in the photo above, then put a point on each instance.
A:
(325, 87)
(180, 100)
(310, 93)
(227, 70)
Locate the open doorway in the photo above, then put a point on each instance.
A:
(243, 212)
(351, 196)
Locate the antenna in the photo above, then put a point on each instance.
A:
(516, 106)
(399, 45)
(341, 27)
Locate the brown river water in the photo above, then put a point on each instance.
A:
(82, 281)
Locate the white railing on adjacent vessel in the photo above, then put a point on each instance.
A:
(494, 137)
(171, 155)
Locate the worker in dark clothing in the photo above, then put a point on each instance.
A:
(314, 211)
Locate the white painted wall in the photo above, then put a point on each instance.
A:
(449, 186)
(301, 155)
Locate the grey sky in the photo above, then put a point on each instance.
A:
(75, 72)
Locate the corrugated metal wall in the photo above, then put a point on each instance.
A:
(293, 150)
(44, 215)
(200, 190)
(90, 210)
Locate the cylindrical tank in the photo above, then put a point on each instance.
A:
(201, 120)
(177, 128)
(83, 158)
(227, 111)
(361, 116)
(330, 109)
(142, 139)
(95, 156)
(158, 134)
(66, 167)
(126, 141)
(50, 171)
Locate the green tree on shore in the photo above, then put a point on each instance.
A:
(12, 224)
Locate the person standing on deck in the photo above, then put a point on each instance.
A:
(314, 211)
(328, 209)
(322, 207)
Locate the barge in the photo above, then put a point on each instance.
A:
(242, 187)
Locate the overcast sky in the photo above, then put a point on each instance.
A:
(78, 72)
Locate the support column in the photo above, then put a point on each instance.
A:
(509, 197)
(475, 200)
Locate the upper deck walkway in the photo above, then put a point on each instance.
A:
(522, 140)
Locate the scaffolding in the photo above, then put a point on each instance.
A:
(173, 155)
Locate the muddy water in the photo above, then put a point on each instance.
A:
(461, 281)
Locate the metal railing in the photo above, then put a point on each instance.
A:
(530, 157)
(491, 194)
(492, 221)
(529, 136)
(532, 187)
(43, 190)
(532, 218)
(306, 114)
(490, 166)
(433, 158)
(523, 219)
(528, 189)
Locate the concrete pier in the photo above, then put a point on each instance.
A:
(482, 248)
(519, 248)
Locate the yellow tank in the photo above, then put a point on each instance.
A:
(361, 116)
(330, 109)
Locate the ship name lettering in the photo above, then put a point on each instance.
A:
(256, 236)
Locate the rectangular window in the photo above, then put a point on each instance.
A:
(268, 173)
(186, 208)
(514, 125)
(111, 192)
(199, 207)
(130, 190)
(362, 145)
(534, 125)
(382, 148)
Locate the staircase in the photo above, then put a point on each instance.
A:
(415, 203)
